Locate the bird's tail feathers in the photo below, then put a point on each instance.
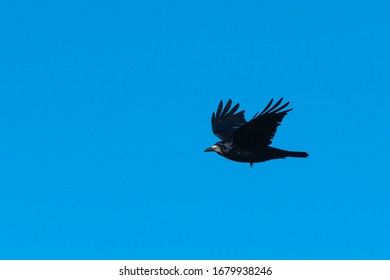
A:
(279, 153)
(295, 154)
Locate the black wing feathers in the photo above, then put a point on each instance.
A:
(260, 131)
(224, 122)
(227, 107)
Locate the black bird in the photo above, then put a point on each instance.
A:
(244, 141)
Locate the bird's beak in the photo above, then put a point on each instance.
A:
(209, 149)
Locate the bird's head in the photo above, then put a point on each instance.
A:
(217, 147)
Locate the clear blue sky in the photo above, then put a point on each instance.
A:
(105, 112)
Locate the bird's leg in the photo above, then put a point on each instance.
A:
(251, 163)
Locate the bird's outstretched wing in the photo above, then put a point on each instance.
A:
(225, 122)
(260, 131)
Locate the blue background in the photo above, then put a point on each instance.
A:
(105, 112)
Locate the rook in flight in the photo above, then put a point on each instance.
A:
(244, 141)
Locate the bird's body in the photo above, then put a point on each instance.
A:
(244, 141)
